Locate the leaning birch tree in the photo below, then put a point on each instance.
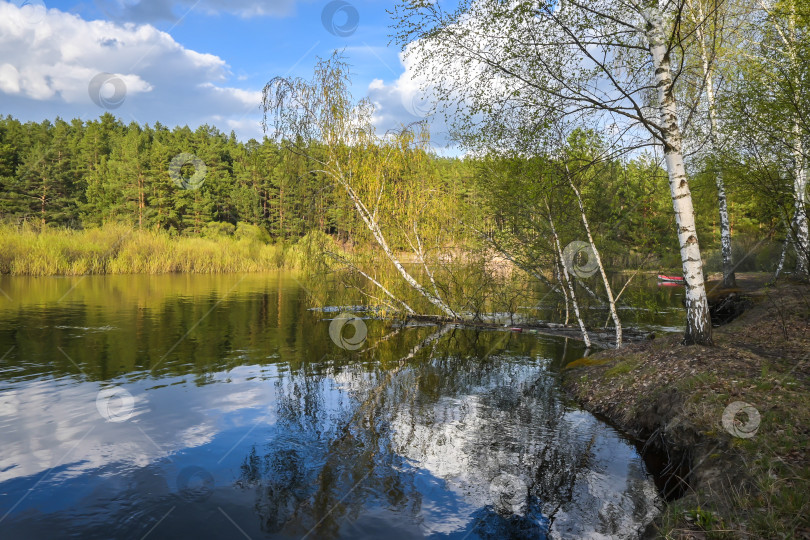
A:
(569, 281)
(527, 237)
(512, 69)
(320, 121)
(594, 252)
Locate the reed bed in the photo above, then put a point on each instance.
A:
(118, 249)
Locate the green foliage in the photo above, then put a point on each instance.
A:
(86, 174)
(703, 518)
(767, 108)
(627, 204)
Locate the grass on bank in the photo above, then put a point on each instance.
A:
(119, 249)
(757, 487)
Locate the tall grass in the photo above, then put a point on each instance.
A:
(118, 249)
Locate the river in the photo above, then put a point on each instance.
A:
(189, 406)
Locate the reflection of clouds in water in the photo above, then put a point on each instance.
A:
(346, 380)
(54, 422)
(613, 493)
(458, 442)
(437, 435)
(194, 436)
(510, 427)
(49, 425)
(9, 401)
(439, 448)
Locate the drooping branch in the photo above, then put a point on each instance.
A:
(321, 115)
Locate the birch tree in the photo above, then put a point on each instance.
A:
(513, 68)
(770, 103)
(319, 120)
(569, 283)
(793, 35)
(707, 26)
(529, 238)
(595, 254)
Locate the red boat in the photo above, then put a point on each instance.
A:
(670, 279)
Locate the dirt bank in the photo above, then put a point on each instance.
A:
(733, 419)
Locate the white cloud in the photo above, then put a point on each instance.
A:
(409, 99)
(50, 58)
(9, 79)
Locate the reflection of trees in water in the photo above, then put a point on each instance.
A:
(465, 407)
(280, 478)
(328, 441)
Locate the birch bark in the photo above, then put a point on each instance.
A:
(729, 279)
(370, 221)
(698, 320)
(568, 281)
(608, 290)
(802, 244)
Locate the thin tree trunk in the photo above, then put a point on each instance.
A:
(729, 278)
(798, 234)
(388, 293)
(608, 290)
(371, 222)
(781, 265)
(141, 200)
(698, 319)
(281, 211)
(42, 200)
(538, 275)
(558, 275)
(802, 242)
(568, 282)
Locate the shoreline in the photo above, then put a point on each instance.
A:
(733, 419)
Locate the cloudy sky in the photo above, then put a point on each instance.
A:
(191, 62)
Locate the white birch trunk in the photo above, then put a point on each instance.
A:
(558, 274)
(800, 237)
(799, 228)
(611, 302)
(388, 293)
(698, 319)
(729, 279)
(373, 226)
(585, 337)
(802, 243)
(787, 243)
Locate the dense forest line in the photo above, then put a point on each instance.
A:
(80, 175)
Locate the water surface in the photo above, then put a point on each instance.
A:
(218, 407)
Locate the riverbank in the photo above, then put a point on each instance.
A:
(119, 249)
(733, 419)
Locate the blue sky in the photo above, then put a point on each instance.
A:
(190, 61)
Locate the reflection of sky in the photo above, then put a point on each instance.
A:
(55, 441)
(55, 423)
(441, 444)
(468, 441)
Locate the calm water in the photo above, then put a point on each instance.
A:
(219, 407)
